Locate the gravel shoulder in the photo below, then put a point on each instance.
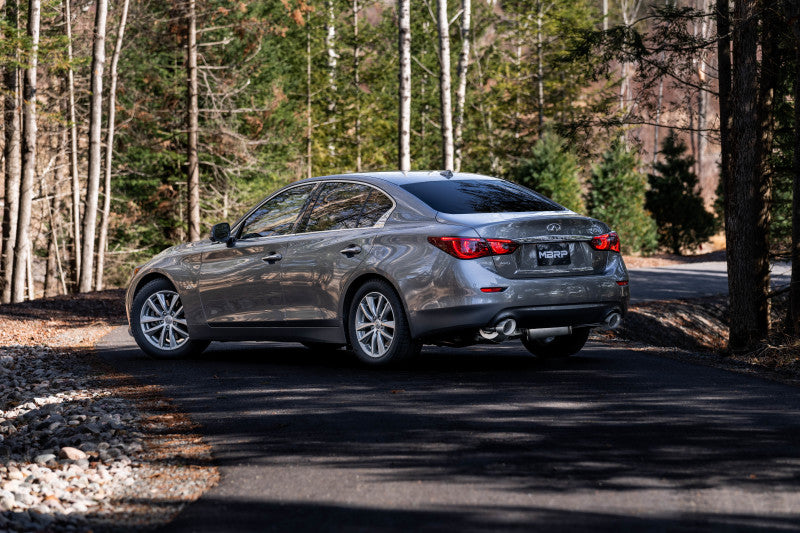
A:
(82, 446)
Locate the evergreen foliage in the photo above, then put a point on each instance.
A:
(552, 169)
(675, 202)
(617, 197)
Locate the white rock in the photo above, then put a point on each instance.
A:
(73, 454)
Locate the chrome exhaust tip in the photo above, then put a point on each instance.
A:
(612, 321)
(506, 327)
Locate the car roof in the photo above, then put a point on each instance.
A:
(404, 178)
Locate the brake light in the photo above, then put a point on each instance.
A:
(607, 241)
(473, 248)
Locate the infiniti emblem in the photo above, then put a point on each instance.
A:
(552, 228)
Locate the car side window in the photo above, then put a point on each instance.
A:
(338, 206)
(377, 205)
(277, 215)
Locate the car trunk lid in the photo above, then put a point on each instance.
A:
(552, 243)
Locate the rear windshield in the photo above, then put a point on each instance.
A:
(458, 197)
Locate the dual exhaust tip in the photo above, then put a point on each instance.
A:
(508, 327)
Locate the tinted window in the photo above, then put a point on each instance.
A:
(277, 215)
(338, 206)
(479, 196)
(376, 206)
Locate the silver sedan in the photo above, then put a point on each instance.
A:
(383, 263)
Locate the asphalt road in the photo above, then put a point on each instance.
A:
(691, 280)
(481, 439)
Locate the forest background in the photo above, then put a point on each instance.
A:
(621, 109)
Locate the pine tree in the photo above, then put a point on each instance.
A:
(617, 197)
(552, 169)
(676, 204)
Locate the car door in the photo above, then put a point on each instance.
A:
(240, 284)
(331, 242)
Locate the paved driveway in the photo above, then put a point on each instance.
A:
(482, 439)
(690, 280)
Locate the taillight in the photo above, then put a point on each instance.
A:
(473, 248)
(607, 241)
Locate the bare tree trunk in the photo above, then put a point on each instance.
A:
(702, 95)
(95, 147)
(356, 82)
(22, 248)
(112, 111)
(404, 92)
(605, 15)
(11, 154)
(73, 153)
(330, 47)
(539, 65)
(51, 272)
(747, 287)
(657, 126)
(309, 129)
(724, 77)
(444, 86)
(193, 178)
(461, 71)
(794, 291)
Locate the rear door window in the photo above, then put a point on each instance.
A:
(342, 205)
(460, 197)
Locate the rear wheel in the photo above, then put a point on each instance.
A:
(158, 322)
(557, 347)
(379, 332)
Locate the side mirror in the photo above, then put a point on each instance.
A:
(221, 232)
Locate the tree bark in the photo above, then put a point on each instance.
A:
(332, 56)
(724, 81)
(309, 129)
(605, 15)
(404, 92)
(73, 153)
(356, 83)
(444, 86)
(12, 156)
(112, 111)
(539, 65)
(95, 147)
(22, 248)
(193, 178)
(794, 291)
(702, 95)
(461, 72)
(747, 285)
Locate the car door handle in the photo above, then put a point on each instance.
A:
(351, 250)
(272, 258)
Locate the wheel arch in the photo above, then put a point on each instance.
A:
(353, 287)
(151, 276)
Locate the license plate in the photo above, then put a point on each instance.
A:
(552, 254)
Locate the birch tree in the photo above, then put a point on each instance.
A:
(73, 151)
(22, 248)
(356, 84)
(444, 85)
(95, 147)
(404, 91)
(112, 111)
(461, 72)
(11, 153)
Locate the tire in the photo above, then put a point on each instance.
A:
(378, 327)
(159, 325)
(322, 346)
(557, 347)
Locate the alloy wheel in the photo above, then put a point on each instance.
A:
(163, 321)
(375, 324)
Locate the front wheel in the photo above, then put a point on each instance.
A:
(379, 332)
(158, 322)
(557, 347)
